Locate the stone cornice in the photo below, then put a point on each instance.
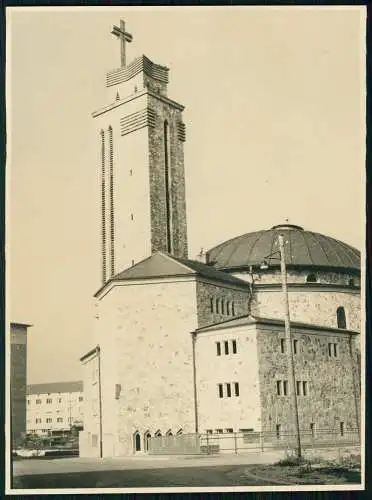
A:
(136, 95)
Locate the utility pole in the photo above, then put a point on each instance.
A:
(289, 344)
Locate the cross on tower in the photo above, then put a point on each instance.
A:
(123, 37)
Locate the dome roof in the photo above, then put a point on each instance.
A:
(303, 248)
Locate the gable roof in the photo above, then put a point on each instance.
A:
(161, 265)
(257, 320)
(53, 387)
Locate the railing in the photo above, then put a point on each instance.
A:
(235, 442)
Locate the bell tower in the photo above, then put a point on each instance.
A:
(141, 136)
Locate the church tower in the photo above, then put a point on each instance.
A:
(141, 135)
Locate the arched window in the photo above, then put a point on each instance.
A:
(341, 318)
(218, 306)
(169, 433)
(211, 304)
(168, 194)
(137, 441)
(228, 306)
(146, 438)
(158, 433)
(311, 278)
(233, 308)
(179, 432)
(222, 306)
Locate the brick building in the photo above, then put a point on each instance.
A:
(184, 346)
(54, 407)
(18, 377)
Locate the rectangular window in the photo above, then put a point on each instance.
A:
(332, 350)
(236, 385)
(220, 390)
(279, 387)
(304, 388)
(48, 420)
(285, 387)
(234, 346)
(48, 401)
(226, 347)
(59, 419)
(81, 398)
(219, 431)
(28, 401)
(298, 388)
(209, 431)
(218, 344)
(295, 344)
(228, 390)
(38, 401)
(312, 429)
(342, 430)
(211, 300)
(59, 400)
(229, 430)
(282, 346)
(278, 431)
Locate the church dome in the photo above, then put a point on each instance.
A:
(303, 249)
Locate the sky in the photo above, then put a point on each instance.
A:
(275, 115)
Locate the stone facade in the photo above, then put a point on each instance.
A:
(229, 294)
(332, 395)
(18, 380)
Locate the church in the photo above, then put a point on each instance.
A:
(186, 346)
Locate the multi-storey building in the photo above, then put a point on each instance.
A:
(54, 408)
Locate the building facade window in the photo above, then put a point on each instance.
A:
(228, 386)
(226, 344)
(217, 306)
(233, 308)
(49, 401)
(282, 387)
(220, 390)
(312, 429)
(38, 401)
(311, 278)
(218, 346)
(228, 390)
(295, 344)
(49, 420)
(211, 304)
(341, 318)
(234, 347)
(342, 428)
(282, 346)
(332, 350)
(278, 431)
(236, 386)
(228, 308)
(59, 419)
(301, 388)
(81, 398)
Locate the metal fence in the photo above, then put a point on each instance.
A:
(245, 442)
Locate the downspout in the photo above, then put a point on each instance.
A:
(98, 352)
(193, 336)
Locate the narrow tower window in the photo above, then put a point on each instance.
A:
(341, 318)
(168, 194)
(112, 230)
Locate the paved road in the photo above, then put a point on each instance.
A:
(216, 476)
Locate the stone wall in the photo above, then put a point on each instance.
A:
(207, 291)
(144, 331)
(166, 111)
(18, 381)
(310, 305)
(331, 395)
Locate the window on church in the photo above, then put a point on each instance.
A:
(217, 306)
(301, 388)
(179, 432)
(211, 301)
(168, 197)
(158, 433)
(226, 347)
(228, 307)
(218, 345)
(342, 428)
(146, 440)
(222, 306)
(219, 431)
(229, 430)
(282, 387)
(59, 419)
(209, 431)
(236, 386)
(311, 278)
(228, 390)
(234, 346)
(295, 344)
(332, 350)
(49, 420)
(233, 308)
(81, 398)
(220, 390)
(48, 401)
(38, 401)
(282, 346)
(341, 318)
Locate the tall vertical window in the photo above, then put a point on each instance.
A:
(233, 308)
(218, 344)
(236, 386)
(295, 344)
(228, 390)
(226, 347)
(278, 429)
(168, 194)
(103, 206)
(234, 346)
(112, 230)
(228, 308)
(342, 428)
(222, 306)
(341, 318)
(217, 306)
(282, 346)
(211, 302)
(220, 390)
(312, 429)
